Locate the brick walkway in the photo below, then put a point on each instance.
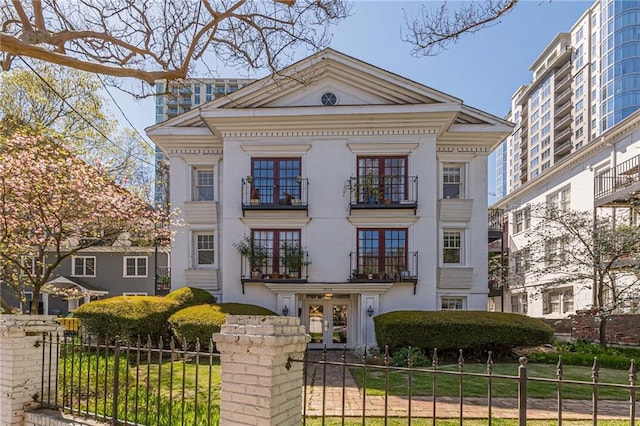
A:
(446, 407)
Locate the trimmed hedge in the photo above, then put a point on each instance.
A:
(190, 296)
(472, 331)
(127, 316)
(200, 322)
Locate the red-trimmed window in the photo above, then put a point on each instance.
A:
(382, 251)
(387, 174)
(276, 179)
(272, 240)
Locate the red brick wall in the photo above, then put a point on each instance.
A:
(623, 328)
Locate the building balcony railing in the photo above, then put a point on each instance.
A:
(382, 192)
(561, 84)
(562, 97)
(496, 221)
(185, 102)
(563, 135)
(394, 267)
(563, 148)
(274, 269)
(563, 108)
(562, 122)
(563, 70)
(495, 287)
(624, 178)
(163, 280)
(288, 193)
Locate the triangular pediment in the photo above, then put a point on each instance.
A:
(352, 81)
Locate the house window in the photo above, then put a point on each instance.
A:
(135, 266)
(276, 179)
(83, 266)
(452, 180)
(559, 201)
(382, 251)
(203, 185)
(519, 304)
(452, 247)
(204, 249)
(382, 178)
(521, 261)
(273, 241)
(558, 301)
(522, 220)
(554, 250)
(452, 303)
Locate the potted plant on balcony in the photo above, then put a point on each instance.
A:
(255, 254)
(364, 189)
(255, 197)
(293, 259)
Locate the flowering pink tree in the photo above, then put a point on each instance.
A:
(52, 202)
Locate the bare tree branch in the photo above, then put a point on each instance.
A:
(432, 31)
(150, 40)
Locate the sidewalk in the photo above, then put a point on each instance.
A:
(331, 402)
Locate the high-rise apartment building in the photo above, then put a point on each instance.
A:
(181, 97)
(584, 82)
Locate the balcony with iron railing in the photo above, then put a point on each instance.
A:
(269, 268)
(496, 287)
(163, 280)
(288, 193)
(620, 185)
(382, 192)
(390, 268)
(496, 220)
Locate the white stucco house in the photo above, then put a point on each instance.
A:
(602, 178)
(358, 192)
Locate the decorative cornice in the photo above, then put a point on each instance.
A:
(195, 151)
(464, 149)
(330, 133)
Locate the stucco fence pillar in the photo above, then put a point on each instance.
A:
(21, 363)
(259, 386)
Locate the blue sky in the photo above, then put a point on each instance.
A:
(482, 69)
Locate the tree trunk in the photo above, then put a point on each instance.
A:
(603, 331)
(35, 301)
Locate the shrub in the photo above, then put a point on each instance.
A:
(618, 362)
(190, 296)
(418, 358)
(127, 316)
(200, 322)
(473, 331)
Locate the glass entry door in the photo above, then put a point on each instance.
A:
(327, 321)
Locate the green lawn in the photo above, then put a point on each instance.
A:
(449, 385)
(153, 394)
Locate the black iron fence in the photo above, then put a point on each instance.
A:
(330, 391)
(131, 382)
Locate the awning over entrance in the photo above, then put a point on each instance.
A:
(63, 284)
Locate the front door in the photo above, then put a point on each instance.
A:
(327, 322)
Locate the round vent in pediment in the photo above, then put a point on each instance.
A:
(329, 99)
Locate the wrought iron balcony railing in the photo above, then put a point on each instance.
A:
(382, 191)
(623, 176)
(393, 267)
(273, 268)
(289, 193)
(163, 280)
